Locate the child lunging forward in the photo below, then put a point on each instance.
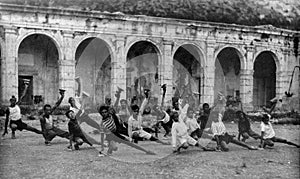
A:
(135, 129)
(219, 130)
(180, 135)
(76, 134)
(268, 134)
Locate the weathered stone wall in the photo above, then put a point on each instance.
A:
(69, 28)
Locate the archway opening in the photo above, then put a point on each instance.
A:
(264, 84)
(187, 74)
(93, 71)
(142, 71)
(227, 74)
(38, 63)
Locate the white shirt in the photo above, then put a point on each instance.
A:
(179, 130)
(166, 117)
(75, 110)
(14, 113)
(268, 130)
(192, 124)
(135, 123)
(218, 128)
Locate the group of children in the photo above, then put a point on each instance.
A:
(124, 124)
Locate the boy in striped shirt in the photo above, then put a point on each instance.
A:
(115, 133)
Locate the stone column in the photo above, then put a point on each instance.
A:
(166, 68)
(246, 80)
(281, 75)
(209, 75)
(118, 63)
(66, 66)
(9, 66)
(246, 88)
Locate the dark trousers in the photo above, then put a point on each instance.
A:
(270, 142)
(52, 133)
(167, 127)
(225, 139)
(199, 133)
(248, 134)
(20, 125)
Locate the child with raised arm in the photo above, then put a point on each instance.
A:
(76, 134)
(13, 116)
(115, 133)
(219, 130)
(135, 130)
(180, 137)
(268, 134)
(47, 125)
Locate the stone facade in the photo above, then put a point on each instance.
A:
(70, 29)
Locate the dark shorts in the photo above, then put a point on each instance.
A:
(19, 123)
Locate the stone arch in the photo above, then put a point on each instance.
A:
(38, 62)
(266, 67)
(135, 40)
(142, 72)
(274, 55)
(110, 46)
(238, 51)
(53, 38)
(228, 64)
(188, 72)
(200, 51)
(93, 69)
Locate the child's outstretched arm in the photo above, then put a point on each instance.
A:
(62, 95)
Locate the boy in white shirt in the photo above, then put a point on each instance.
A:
(135, 129)
(219, 130)
(180, 136)
(268, 134)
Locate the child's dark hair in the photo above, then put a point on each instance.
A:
(135, 107)
(205, 104)
(47, 106)
(70, 99)
(265, 117)
(103, 107)
(172, 114)
(68, 113)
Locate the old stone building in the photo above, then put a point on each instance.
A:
(99, 53)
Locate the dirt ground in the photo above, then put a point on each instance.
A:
(28, 157)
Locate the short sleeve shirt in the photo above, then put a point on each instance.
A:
(268, 130)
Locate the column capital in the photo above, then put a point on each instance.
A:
(246, 72)
(250, 48)
(66, 62)
(67, 33)
(120, 37)
(10, 30)
(287, 51)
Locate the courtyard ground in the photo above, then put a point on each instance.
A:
(28, 157)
